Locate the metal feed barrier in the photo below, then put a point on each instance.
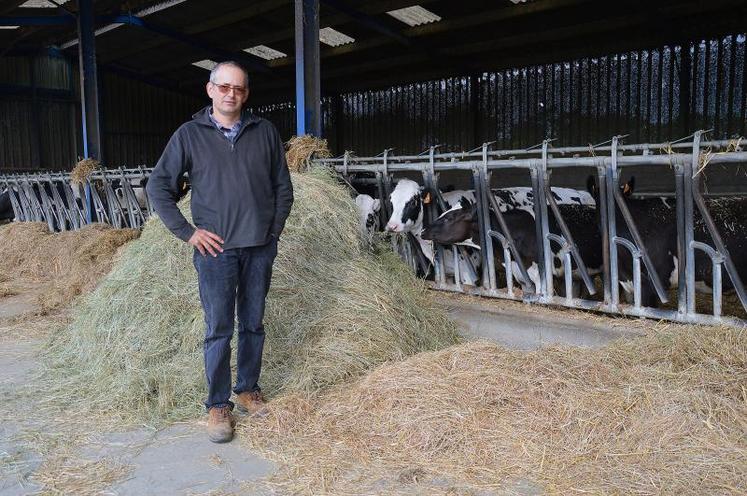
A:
(107, 196)
(52, 197)
(685, 157)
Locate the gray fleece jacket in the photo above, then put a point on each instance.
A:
(241, 191)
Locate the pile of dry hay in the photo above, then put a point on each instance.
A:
(83, 170)
(302, 149)
(662, 414)
(63, 265)
(335, 311)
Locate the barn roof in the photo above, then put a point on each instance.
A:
(159, 41)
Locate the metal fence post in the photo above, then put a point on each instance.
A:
(689, 224)
(682, 245)
(610, 185)
(482, 184)
(544, 251)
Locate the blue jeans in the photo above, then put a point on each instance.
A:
(234, 283)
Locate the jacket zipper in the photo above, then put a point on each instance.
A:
(231, 143)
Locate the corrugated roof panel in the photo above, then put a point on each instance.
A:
(334, 38)
(265, 52)
(159, 7)
(206, 64)
(41, 4)
(414, 16)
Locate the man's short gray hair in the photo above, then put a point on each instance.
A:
(227, 63)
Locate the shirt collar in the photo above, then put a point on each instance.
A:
(220, 126)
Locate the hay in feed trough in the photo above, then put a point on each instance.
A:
(334, 311)
(666, 413)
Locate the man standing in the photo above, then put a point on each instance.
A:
(241, 197)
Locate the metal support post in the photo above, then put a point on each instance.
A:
(88, 86)
(308, 90)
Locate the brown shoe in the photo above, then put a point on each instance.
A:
(252, 402)
(220, 424)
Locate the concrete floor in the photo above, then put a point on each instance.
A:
(180, 460)
(525, 327)
(175, 460)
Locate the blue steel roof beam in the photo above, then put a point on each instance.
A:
(250, 61)
(368, 21)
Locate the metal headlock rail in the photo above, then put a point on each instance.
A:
(606, 160)
(53, 197)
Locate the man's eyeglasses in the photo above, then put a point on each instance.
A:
(224, 89)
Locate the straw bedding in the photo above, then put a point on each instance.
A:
(63, 265)
(335, 310)
(662, 414)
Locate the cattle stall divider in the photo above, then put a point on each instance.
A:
(605, 161)
(50, 197)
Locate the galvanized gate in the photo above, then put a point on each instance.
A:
(53, 197)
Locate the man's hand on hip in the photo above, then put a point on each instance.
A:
(206, 242)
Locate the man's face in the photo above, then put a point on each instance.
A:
(229, 92)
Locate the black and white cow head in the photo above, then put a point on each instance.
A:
(407, 201)
(454, 226)
(368, 213)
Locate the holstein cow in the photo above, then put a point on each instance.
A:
(408, 198)
(656, 220)
(407, 201)
(368, 215)
(459, 224)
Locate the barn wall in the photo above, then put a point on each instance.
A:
(652, 95)
(137, 119)
(37, 113)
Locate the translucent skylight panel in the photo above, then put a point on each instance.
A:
(206, 64)
(158, 7)
(334, 38)
(41, 4)
(414, 16)
(265, 52)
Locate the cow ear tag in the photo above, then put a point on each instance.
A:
(427, 198)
